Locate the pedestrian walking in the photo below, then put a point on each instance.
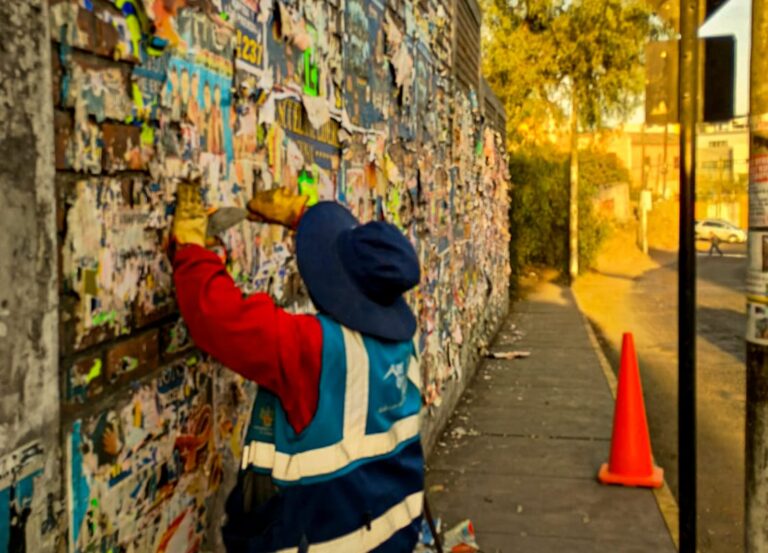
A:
(333, 457)
(714, 245)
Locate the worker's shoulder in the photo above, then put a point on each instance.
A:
(332, 329)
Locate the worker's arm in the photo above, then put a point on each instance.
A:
(252, 336)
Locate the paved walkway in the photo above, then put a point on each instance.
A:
(521, 454)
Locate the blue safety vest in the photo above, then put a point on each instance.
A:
(353, 480)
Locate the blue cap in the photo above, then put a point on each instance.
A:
(357, 274)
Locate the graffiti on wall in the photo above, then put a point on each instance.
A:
(144, 471)
(349, 101)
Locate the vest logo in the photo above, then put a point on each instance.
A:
(267, 416)
(401, 381)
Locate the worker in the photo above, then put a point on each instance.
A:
(332, 458)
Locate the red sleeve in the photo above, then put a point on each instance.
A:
(252, 336)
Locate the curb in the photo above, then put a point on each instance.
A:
(664, 498)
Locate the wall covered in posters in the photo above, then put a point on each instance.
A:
(349, 100)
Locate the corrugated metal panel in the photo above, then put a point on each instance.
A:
(493, 109)
(467, 54)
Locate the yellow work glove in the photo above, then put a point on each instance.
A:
(190, 222)
(278, 206)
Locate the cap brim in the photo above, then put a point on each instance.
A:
(331, 288)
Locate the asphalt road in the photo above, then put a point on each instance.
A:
(621, 297)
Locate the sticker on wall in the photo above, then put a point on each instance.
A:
(757, 270)
(19, 472)
(758, 190)
(250, 34)
(757, 323)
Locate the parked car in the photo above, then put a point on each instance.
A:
(725, 231)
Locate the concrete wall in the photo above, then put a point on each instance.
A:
(613, 201)
(29, 408)
(350, 100)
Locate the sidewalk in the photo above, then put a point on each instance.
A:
(520, 455)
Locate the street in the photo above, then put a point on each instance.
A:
(629, 292)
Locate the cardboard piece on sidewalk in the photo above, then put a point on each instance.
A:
(508, 354)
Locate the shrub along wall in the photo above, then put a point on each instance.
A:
(540, 202)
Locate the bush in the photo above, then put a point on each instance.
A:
(539, 207)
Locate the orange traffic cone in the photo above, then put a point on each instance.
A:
(631, 462)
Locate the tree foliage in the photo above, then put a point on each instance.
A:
(545, 58)
(539, 208)
(538, 53)
(598, 169)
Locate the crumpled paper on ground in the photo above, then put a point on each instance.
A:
(508, 354)
(461, 538)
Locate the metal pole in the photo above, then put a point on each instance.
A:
(573, 217)
(664, 167)
(689, 65)
(664, 174)
(643, 176)
(756, 463)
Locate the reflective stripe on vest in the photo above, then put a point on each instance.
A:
(355, 444)
(382, 528)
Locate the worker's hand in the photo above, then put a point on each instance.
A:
(277, 206)
(190, 222)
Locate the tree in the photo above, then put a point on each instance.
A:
(539, 207)
(548, 57)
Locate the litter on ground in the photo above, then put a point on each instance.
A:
(509, 354)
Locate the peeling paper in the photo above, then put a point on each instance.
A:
(150, 467)
(82, 219)
(392, 171)
(403, 64)
(85, 152)
(265, 10)
(101, 91)
(268, 111)
(110, 259)
(294, 157)
(394, 36)
(317, 110)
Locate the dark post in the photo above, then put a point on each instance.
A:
(686, 344)
(756, 464)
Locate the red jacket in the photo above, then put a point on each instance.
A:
(250, 335)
